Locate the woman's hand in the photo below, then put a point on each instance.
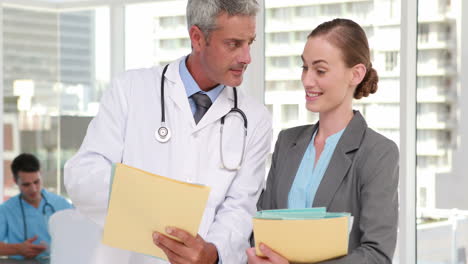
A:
(270, 256)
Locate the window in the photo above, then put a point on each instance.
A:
(391, 60)
(360, 10)
(58, 66)
(440, 169)
(444, 32)
(331, 10)
(279, 62)
(312, 118)
(270, 108)
(307, 11)
(444, 6)
(422, 197)
(394, 9)
(445, 59)
(155, 33)
(279, 14)
(301, 36)
(279, 37)
(172, 22)
(423, 33)
(289, 113)
(283, 85)
(175, 43)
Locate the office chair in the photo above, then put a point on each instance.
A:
(76, 239)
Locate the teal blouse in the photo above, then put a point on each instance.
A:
(308, 176)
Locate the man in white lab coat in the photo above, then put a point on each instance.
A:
(125, 130)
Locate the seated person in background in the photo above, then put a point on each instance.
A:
(338, 163)
(24, 217)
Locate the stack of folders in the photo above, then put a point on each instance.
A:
(141, 203)
(303, 235)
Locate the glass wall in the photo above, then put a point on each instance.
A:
(441, 181)
(55, 67)
(155, 33)
(287, 27)
(57, 63)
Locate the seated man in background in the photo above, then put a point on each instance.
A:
(24, 217)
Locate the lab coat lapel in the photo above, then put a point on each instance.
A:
(221, 106)
(341, 161)
(175, 91)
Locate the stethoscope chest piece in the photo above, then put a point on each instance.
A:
(162, 134)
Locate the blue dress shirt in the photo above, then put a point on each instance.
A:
(308, 176)
(191, 87)
(12, 222)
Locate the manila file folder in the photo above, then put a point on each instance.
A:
(304, 240)
(141, 203)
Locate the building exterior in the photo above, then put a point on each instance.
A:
(287, 25)
(47, 48)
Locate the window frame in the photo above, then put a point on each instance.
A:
(407, 189)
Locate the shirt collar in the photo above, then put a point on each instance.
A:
(191, 87)
(41, 203)
(332, 138)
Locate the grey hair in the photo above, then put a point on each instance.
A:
(203, 13)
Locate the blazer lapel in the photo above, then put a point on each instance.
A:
(334, 175)
(293, 160)
(340, 161)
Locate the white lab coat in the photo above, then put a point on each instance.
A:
(123, 131)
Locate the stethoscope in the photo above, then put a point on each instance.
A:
(46, 204)
(163, 133)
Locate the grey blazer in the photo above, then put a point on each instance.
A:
(361, 178)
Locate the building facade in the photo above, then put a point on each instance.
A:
(287, 25)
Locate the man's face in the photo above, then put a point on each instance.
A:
(30, 185)
(224, 56)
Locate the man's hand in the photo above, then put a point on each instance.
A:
(271, 257)
(30, 250)
(192, 250)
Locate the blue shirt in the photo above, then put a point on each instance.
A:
(308, 177)
(191, 87)
(12, 222)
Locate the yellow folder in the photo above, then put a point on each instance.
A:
(141, 203)
(303, 240)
